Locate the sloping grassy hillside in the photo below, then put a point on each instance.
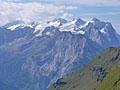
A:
(112, 81)
(94, 76)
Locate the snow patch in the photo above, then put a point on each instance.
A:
(103, 31)
(81, 32)
(55, 23)
(71, 28)
(39, 29)
(13, 27)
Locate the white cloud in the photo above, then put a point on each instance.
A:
(11, 0)
(67, 16)
(87, 2)
(111, 2)
(29, 11)
(101, 14)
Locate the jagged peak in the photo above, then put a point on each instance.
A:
(15, 22)
(57, 22)
(95, 20)
(80, 22)
(76, 25)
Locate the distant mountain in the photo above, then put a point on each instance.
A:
(103, 73)
(32, 56)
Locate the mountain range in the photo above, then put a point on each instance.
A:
(35, 55)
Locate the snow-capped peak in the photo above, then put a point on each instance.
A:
(75, 26)
(57, 22)
(13, 27)
(95, 20)
(80, 22)
(54, 23)
(17, 24)
(39, 28)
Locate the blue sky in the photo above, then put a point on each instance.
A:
(29, 10)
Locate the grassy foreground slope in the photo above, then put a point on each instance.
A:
(103, 73)
(112, 81)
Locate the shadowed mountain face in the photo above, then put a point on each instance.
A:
(33, 56)
(103, 73)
